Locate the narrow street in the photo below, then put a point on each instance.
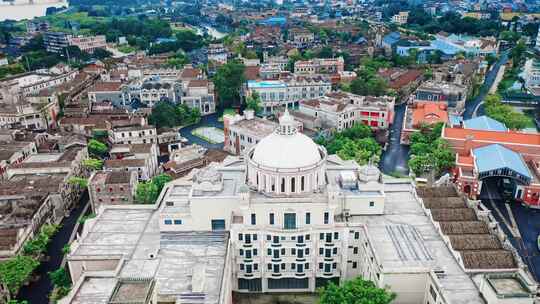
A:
(528, 224)
(473, 107)
(394, 158)
(37, 292)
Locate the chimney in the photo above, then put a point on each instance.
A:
(249, 114)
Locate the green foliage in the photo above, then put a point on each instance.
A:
(66, 249)
(97, 148)
(60, 277)
(178, 60)
(368, 83)
(518, 54)
(148, 192)
(16, 271)
(11, 69)
(38, 244)
(429, 151)
(228, 81)
(93, 164)
(355, 143)
(356, 291)
(78, 181)
(451, 22)
(253, 102)
(504, 113)
(165, 114)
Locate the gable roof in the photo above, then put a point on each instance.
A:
(493, 157)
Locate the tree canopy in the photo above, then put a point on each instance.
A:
(504, 113)
(165, 114)
(228, 81)
(97, 148)
(356, 291)
(429, 151)
(148, 192)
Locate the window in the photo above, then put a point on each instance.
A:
(336, 235)
(253, 219)
(321, 265)
(269, 267)
(321, 251)
(302, 182)
(255, 267)
(268, 237)
(218, 224)
(178, 222)
(355, 250)
(168, 222)
(276, 268)
(334, 265)
(334, 251)
(290, 221)
(283, 266)
(356, 235)
(240, 237)
(276, 254)
(300, 268)
(248, 254)
(255, 252)
(293, 184)
(241, 252)
(282, 251)
(308, 237)
(371, 204)
(248, 239)
(241, 267)
(321, 236)
(326, 218)
(327, 253)
(300, 239)
(269, 251)
(271, 219)
(254, 237)
(293, 266)
(354, 265)
(308, 218)
(329, 237)
(283, 185)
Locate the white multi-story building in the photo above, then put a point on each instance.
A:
(401, 18)
(341, 110)
(287, 92)
(244, 131)
(199, 94)
(320, 66)
(296, 218)
(133, 134)
(89, 43)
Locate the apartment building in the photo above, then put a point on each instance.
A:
(89, 43)
(319, 66)
(56, 42)
(111, 188)
(141, 158)
(244, 131)
(133, 134)
(453, 95)
(288, 91)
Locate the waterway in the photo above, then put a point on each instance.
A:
(21, 10)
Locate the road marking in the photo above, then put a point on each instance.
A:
(513, 220)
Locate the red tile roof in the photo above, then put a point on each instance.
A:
(106, 87)
(429, 113)
(510, 137)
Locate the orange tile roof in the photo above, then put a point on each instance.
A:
(464, 160)
(510, 137)
(429, 113)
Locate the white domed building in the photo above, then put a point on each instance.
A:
(286, 162)
(285, 204)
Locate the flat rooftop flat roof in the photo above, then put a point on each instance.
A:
(406, 240)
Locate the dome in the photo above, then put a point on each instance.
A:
(286, 148)
(286, 151)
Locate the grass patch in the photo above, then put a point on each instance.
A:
(127, 49)
(208, 136)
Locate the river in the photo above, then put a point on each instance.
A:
(23, 10)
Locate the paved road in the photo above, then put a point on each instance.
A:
(206, 121)
(528, 223)
(38, 292)
(394, 159)
(472, 105)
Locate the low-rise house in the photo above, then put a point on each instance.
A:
(319, 66)
(454, 95)
(422, 113)
(141, 158)
(112, 188)
(244, 131)
(301, 38)
(14, 152)
(199, 94)
(403, 81)
(133, 134)
(217, 52)
(113, 92)
(184, 160)
(36, 112)
(340, 110)
(37, 192)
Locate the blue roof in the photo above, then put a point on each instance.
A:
(275, 21)
(254, 84)
(484, 123)
(497, 156)
(391, 38)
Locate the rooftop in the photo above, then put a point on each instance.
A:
(484, 123)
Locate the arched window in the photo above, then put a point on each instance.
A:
(293, 184)
(302, 182)
(282, 184)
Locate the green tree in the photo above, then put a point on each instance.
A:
(60, 277)
(228, 80)
(93, 164)
(97, 148)
(357, 291)
(504, 113)
(146, 193)
(326, 52)
(15, 272)
(164, 115)
(253, 102)
(78, 181)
